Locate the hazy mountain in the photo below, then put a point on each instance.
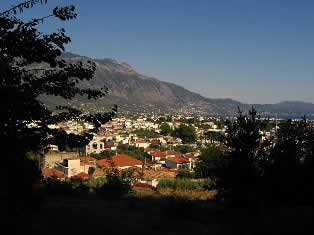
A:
(133, 91)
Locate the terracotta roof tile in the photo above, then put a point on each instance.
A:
(171, 152)
(158, 154)
(119, 160)
(51, 172)
(125, 160)
(178, 159)
(88, 159)
(80, 176)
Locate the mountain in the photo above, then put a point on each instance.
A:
(133, 91)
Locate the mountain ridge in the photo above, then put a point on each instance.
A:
(133, 91)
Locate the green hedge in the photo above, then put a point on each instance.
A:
(180, 184)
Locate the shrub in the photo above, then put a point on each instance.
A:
(186, 174)
(114, 188)
(143, 185)
(180, 184)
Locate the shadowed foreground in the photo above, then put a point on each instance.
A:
(163, 215)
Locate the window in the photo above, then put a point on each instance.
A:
(100, 146)
(94, 145)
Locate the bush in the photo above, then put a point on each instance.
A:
(114, 188)
(143, 185)
(95, 183)
(186, 174)
(55, 186)
(180, 184)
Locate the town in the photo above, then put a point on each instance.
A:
(157, 145)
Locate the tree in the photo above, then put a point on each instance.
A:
(290, 176)
(165, 129)
(239, 172)
(206, 165)
(24, 120)
(186, 133)
(214, 136)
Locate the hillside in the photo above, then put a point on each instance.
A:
(132, 91)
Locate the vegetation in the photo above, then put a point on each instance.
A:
(213, 136)
(185, 174)
(103, 154)
(207, 163)
(184, 149)
(186, 133)
(180, 184)
(165, 129)
(251, 170)
(25, 120)
(131, 150)
(143, 133)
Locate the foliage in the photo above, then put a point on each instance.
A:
(55, 186)
(131, 150)
(214, 136)
(292, 163)
(239, 172)
(165, 129)
(180, 184)
(142, 133)
(186, 174)
(25, 121)
(117, 185)
(186, 133)
(103, 154)
(207, 164)
(184, 149)
(95, 183)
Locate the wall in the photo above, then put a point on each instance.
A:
(50, 158)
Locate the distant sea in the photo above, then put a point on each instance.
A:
(294, 117)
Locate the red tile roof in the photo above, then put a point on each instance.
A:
(190, 155)
(50, 172)
(178, 159)
(125, 160)
(104, 162)
(80, 176)
(87, 159)
(171, 152)
(158, 154)
(119, 160)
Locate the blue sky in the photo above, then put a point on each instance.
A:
(254, 51)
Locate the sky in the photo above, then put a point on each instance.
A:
(253, 51)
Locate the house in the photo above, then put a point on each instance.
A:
(192, 158)
(171, 153)
(121, 161)
(72, 167)
(97, 145)
(50, 158)
(142, 144)
(177, 162)
(157, 156)
(69, 167)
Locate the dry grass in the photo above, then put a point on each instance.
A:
(189, 194)
(165, 193)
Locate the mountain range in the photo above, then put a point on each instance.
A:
(135, 92)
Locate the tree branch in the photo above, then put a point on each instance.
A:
(21, 6)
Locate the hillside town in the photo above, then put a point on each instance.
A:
(145, 143)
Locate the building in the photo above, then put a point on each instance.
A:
(50, 158)
(97, 145)
(121, 161)
(72, 167)
(177, 162)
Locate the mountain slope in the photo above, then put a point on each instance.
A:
(132, 91)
